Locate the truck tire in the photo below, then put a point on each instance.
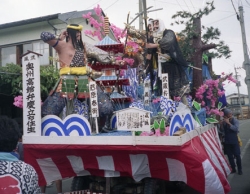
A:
(150, 186)
(80, 183)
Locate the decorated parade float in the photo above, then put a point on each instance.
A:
(147, 141)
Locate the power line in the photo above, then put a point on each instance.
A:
(192, 5)
(221, 19)
(247, 2)
(187, 5)
(235, 10)
(93, 4)
(179, 5)
(111, 5)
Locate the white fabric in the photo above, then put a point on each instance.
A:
(212, 181)
(212, 155)
(77, 165)
(49, 169)
(177, 171)
(106, 163)
(140, 166)
(216, 155)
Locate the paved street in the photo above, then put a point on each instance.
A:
(240, 184)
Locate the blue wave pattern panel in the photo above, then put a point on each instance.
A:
(181, 120)
(72, 125)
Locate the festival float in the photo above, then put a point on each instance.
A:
(150, 140)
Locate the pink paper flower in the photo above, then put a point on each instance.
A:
(177, 98)
(230, 78)
(98, 10)
(18, 101)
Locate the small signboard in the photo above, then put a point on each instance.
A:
(93, 99)
(133, 119)
(165, 85)
(146, 92)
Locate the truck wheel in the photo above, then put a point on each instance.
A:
(80, 183)
(150, 186)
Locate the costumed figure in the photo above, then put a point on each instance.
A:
(170, 59)
(151, 61)
(75, 73)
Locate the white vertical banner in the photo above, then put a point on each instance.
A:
(94, 102)
(31, 94)
(165, 85)
(146, 92)
(93, 99)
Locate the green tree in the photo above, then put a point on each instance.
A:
(11, 79)
(196, 40)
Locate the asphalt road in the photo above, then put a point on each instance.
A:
(240, 184)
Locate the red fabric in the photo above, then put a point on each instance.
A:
(192, 154)
(9, 184)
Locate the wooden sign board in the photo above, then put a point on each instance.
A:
(31, 94)
(133, 119)
(165, 85)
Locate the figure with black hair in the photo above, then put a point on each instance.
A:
(15, 176)
(230, 126)
(73, 58)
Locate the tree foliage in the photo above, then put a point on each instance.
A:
(208, 35)
(11, 79)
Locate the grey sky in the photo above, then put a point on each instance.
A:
(223, 17)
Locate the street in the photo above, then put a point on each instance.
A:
(240, 184)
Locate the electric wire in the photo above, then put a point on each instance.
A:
(193, 5)
(179, 5)
(235, 10)
(93, 4)
(220, 19)
(187, 5)
(247, 2)
(111, 5)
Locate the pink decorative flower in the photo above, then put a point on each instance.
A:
(177, 98)
(156, 100)
(18, 101)
(118, 32)
(230, 78)
(129, 61)
(98, 10)
(87, 16)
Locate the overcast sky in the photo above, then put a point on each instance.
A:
(223, 18)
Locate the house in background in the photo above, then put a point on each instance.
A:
(234, 101)
(16, 38)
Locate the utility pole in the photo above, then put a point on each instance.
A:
(246, 63)
(141, 16)
(144, 5)
(143, 10)
(237, 84)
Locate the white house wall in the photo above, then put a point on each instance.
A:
(31, 32)
(28, 33)
(21, 34)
